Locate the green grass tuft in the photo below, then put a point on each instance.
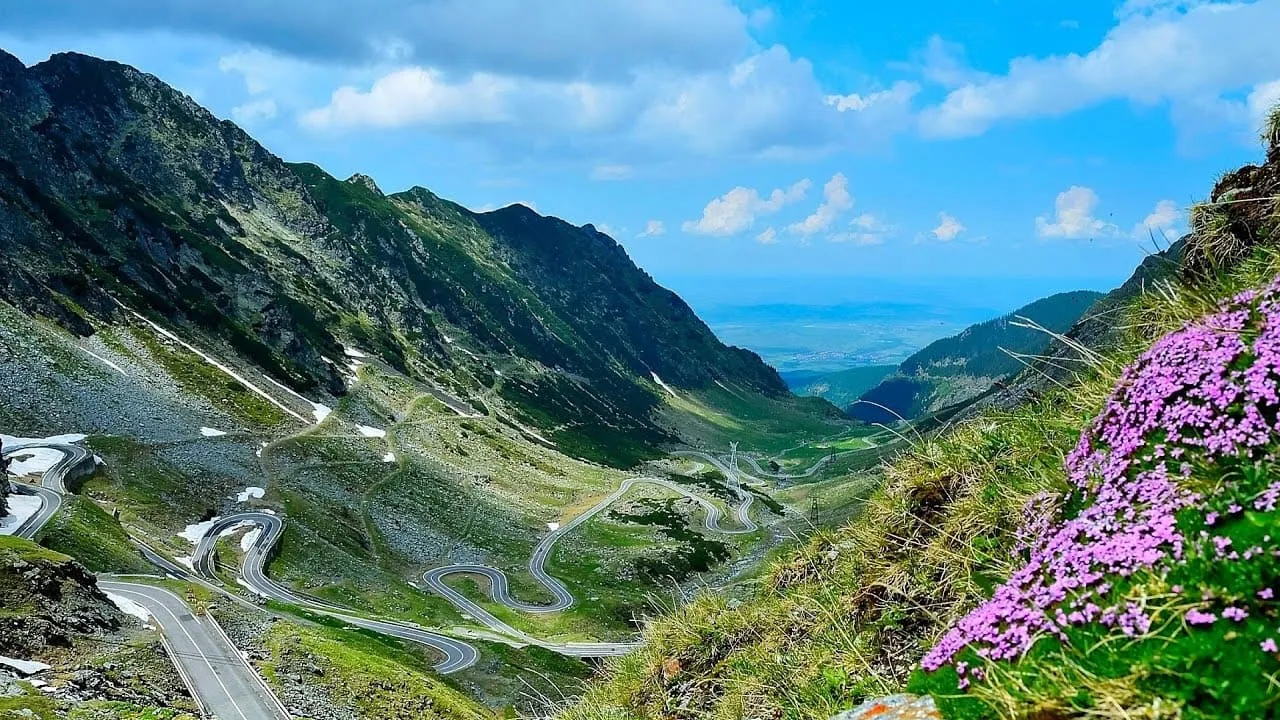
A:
(92, 536)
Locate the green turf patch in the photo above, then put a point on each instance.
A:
(91, 535)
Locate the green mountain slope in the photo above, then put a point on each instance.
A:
(842, 387)
(1100, 545)
(114, 188)
(957, 369)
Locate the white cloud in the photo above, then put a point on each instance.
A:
(768, 236)
(942, 62)
(1187, 53)
(1073, 216)
(262, 70)
(738, 209)
(900, 94)
(654, 228)
(413, 96)
(769, 105)
(253, 111)
(612, 172)
(574, 40)
(835, 201)
(865, 229)
(1162, 221)
(948, 228)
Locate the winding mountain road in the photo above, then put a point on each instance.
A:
(50, 503)
(755, 465)
(218, 676)
(457, 655)
(53, 486)
(499, 586)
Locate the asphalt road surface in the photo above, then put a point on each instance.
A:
(499, 586)
(217, 674)
(52, 484)
(787, 476)
(457, 655)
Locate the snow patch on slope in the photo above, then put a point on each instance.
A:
(130, 607)
(371, 432)
(33, 461)
(21, 508)
(24, 667)
(251, 492)
(320, 411)
(251, 537)
(663, 385)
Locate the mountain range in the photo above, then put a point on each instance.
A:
(381, 385)
(956, 370)
(119, 194)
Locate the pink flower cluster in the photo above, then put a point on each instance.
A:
(1205, 391)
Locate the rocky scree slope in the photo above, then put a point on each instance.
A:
(115, 187)
(957, 369)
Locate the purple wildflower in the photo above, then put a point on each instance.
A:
(1203, 391)
(1234, 614)
(1199, 617)
(1269, 645)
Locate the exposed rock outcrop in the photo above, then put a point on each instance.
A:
(50, 600)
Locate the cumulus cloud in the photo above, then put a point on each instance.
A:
(898, 95)
(769, 105)
(948, 228)
(654, 228)
(1163, 221)
(865, 229)
(835, 201)
(944, 63)
(414, 95)
(1073, 216)
(581, 38)
(630, 82)
(1189, 54)
(768, 236)
(738, 209)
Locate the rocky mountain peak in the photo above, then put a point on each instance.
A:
(365, 182)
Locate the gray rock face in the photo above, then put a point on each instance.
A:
(894, 707)
(60, 599)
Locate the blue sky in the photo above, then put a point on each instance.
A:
(989, 140)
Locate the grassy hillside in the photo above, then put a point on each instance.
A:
(962, 367)
(1107, 550)
(842, 387)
